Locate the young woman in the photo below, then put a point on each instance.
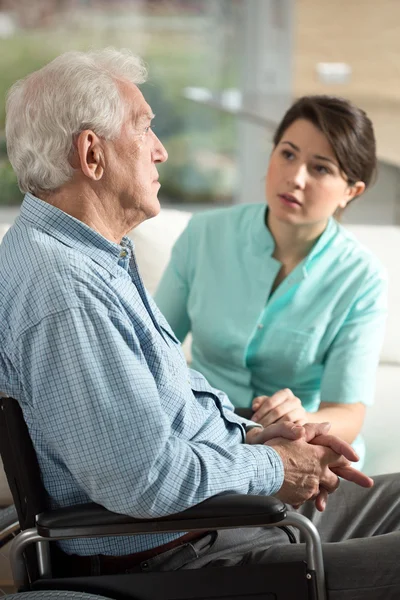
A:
(285, 306)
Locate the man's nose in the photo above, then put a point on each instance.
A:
(160, 154)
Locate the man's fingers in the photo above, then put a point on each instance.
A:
(351, 474)
(321, 500)
(329, 481)
(337, 445)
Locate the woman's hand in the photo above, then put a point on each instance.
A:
(285, 429)
(281, 406)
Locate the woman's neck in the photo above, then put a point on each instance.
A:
(292, 243)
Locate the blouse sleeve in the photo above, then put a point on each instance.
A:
(173, 290)
(352, 359)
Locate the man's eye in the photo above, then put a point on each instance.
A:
(147, 129)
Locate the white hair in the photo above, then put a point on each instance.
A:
(48, 108)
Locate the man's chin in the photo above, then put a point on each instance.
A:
(154, 208)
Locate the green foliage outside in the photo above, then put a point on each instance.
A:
(200, 140)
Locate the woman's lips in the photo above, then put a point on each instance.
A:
(289, 200)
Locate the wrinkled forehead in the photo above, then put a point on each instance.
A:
(135, 104)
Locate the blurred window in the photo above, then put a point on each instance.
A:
(190, 48)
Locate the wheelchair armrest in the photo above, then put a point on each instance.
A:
(218, 512)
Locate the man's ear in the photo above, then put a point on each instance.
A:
(90, 154)
(352, 192)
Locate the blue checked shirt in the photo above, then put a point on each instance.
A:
(115, 415)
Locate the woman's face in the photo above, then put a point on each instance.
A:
(304, 184)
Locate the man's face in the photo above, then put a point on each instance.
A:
(131, 172)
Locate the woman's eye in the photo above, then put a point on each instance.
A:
(321, 169)
(287, 154)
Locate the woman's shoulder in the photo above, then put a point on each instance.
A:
(231, 217)
(354, 251)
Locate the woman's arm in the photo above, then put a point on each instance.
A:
(348, 381)
(346, 419)
(350, 366)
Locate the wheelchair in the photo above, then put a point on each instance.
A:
(32, 558)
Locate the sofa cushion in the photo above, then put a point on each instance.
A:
(4, 227)
(384, 242)
(380, 429)
(153, 243)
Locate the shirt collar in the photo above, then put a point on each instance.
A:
(261, 238)
(326, 238)
(263, 242)
(73, 233)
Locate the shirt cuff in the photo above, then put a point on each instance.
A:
(248, 425)
(269, 470)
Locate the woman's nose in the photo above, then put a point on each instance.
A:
(298, 176)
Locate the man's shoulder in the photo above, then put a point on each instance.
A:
(39, 276)
(32, 255)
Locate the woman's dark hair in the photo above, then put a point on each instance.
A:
(347, 128)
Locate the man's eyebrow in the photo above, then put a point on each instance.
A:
(147, 116)
(144, 118)
(317, 156)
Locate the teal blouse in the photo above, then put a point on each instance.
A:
(319, 333)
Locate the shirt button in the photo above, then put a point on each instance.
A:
(123, 253)
(260, 326)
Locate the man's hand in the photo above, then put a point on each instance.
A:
(281, 406)
(307, 469)
(338, 453)
(342, 470)
(314, 475)
(318, 434)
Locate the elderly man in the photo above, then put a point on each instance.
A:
(114, 413)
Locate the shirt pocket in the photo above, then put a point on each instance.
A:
(291, 352)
